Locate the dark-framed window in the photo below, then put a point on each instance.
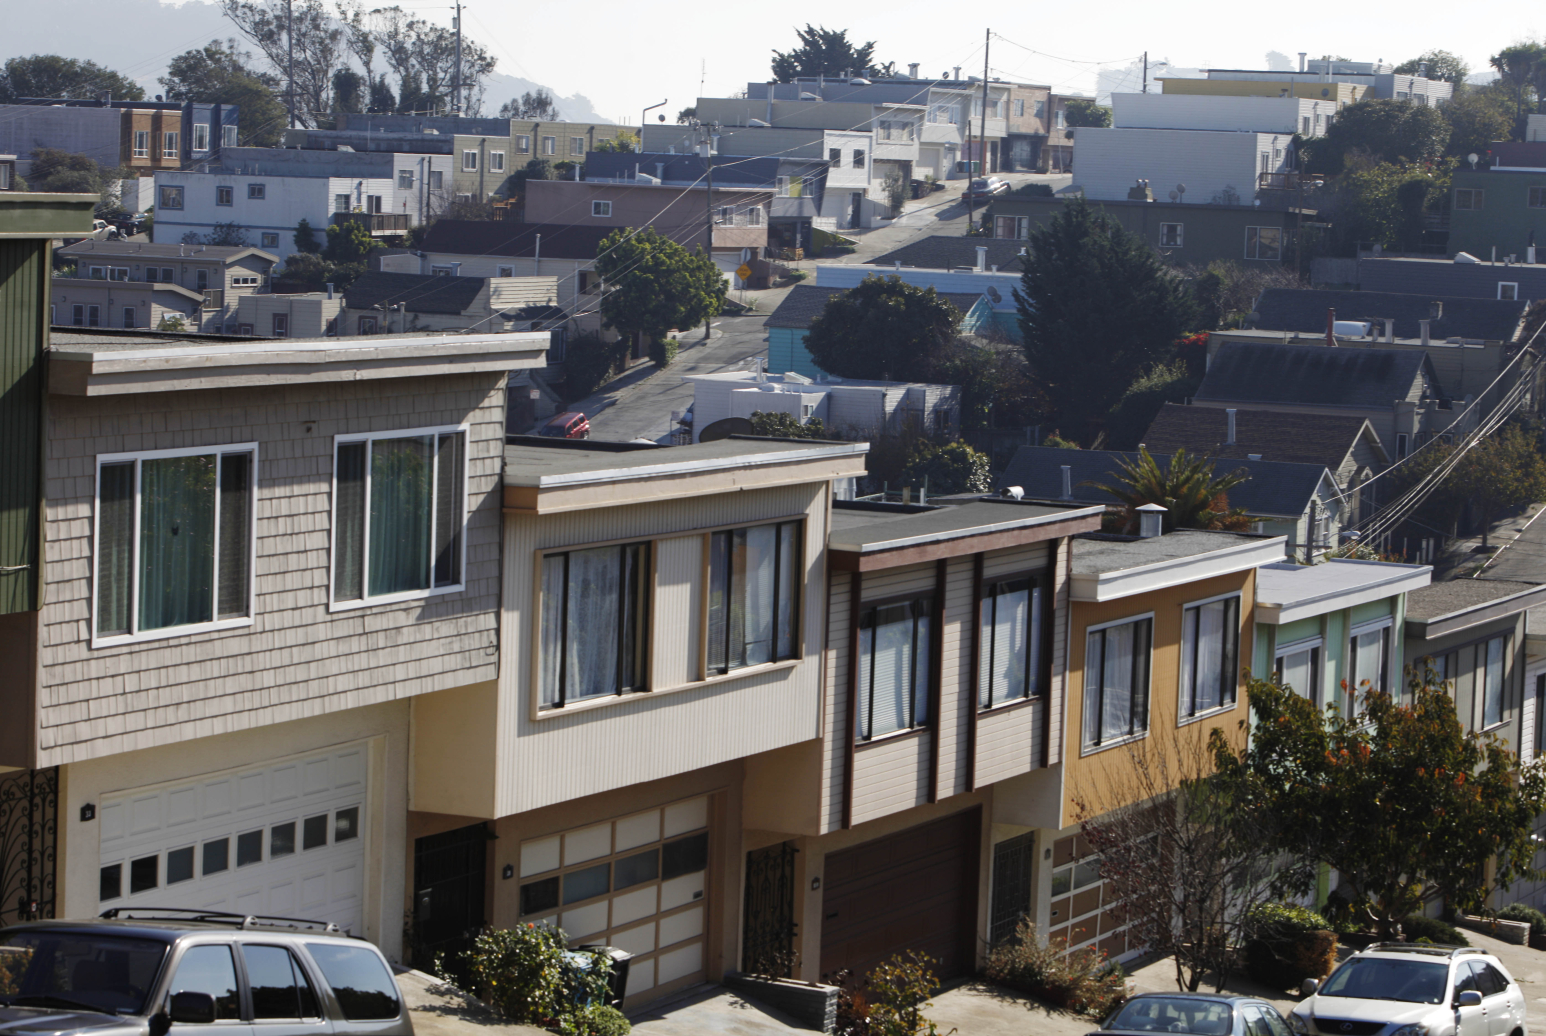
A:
(1010, 646)
(1116, 680)
(895, 668)
(595, 623)
(754, 595)
(1210, 648)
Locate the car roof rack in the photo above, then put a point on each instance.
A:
(216, 917)
(1431, 949)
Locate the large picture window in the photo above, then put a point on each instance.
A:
(594, 622)
(754, 595)
(895, 669)
(1010, 664)
(174, 535)
(1297, 666)
(1210, 645)
(1368, 649)
(399, 515)
(1116, 681)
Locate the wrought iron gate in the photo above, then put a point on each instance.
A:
(1011, 896)
(768, 946)
(29, 844)
(449, 875)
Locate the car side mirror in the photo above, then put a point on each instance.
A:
(1468, 998)
(1309, 987)
(192, 1008)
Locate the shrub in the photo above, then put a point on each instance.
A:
(1528, 914)
(1287, 944)
(1416, 927)
(591, 363)
(522, 975)
(663, 351)
(172, 322)
(780, 425)
(595, 1020)
(952, 468)
(1081, 981)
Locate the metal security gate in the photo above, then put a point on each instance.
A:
(29, 844)
(768, 945)
(1011, 897)
(449, 875)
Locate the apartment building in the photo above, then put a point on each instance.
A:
(144, 136)
(1026, 127)
(133, 284)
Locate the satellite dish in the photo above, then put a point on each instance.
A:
(1473, 158)
(994, 295)
(725, 428)
(1174, 195)
(662, 118)
(1180, 188)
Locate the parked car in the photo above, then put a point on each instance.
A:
(1196, 1013)
(979, 189)
(569, 425)
(1405, 989)
(140, 975)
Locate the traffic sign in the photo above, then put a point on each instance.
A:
(744, 272)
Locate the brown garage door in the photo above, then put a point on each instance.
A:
(916, 890)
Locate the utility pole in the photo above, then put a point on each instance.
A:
(982, 136)
(290, 61)
(456, 108)
(1145, 71)
(708, 165)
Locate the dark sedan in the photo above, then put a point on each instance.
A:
(1195, 1013)
(980, 189)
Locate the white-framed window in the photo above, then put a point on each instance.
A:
(227, 136)
(858, 158)
(174, 542)
(341, 203)
(1010, 649)
(1469, 199)
(1508, 291)
(505, 271)
(399, 515)
(1011, 228)
(550, 145)
(257, 191)
(895, 670)
(754, 595)
(1041, 109)
(201, 279)
(1264, 243)
(754, 216)
(1116, 680)
(245, 280)
(1298, 667)
(150, 274)
(1019, 108)
(201, 136)
(523, 143)
(169, 145)
(1368, 661)
(496, 161)
(128, 317)
(1490, 666)
(594, 623)
(224, 195)
(577, 146)
(169, 198)
(168, 275)
(469, 161)
(601, 208)
(270, 239)
(726, 215)
(1537, 198)
(1060, 119)
(367, 326)
(141, 143)
(281, 325)
(885, 129)
(86, 316)
(1304, 125)
(835, 156)
(1210, 651)
(1171, 235)
(405, 179)
(437, 179)
(449, 270)
(1402, 440)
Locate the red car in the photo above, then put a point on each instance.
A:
(569, 425)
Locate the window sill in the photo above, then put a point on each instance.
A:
(1007, 706)
(172, 631)
(1499, 725)
(411, 595)
(1185, 721)
(892, 735)
(553, 712)
(1085, 750)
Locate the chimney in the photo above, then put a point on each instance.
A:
(912, 70)
(1331, 327)
(1068, 482)
(1422, 326)
(982, 258)
(329, 289)
(1151, 521)
(957, 74)
(1390, 330)
(1229, 425)
(1302, 56)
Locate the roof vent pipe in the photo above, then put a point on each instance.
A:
(1151, 521)
(1302, 56)
(1390, 330)
(329, 289)
(1229, 421)
(1331, 327)
(982, 258)
(1422, 330)
(1068, 482)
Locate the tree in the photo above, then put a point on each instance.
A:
(1386, 130)
(1477, 118)
(1385, 203)
(1521, 71)
(686, 115)
(996, 387)
(231, 234)
(1193, 497)
(1394, 795)
(654, 284)
(779, 425)
(306, 238)
(318, 46)
(1439, 64)
(62, 172)
(1080, 111)
(824, 51)
(309, 271)
(348, 241)
(538, 106)
(1135, 411)
(885, 329)
(349, 92)
(1500, 473)
(49, 75)
(1097, 306)
(624, 141)
(223, 73)
(1226, 291)
(423, 54)
(951, 468)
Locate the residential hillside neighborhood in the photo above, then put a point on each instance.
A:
(872, 553)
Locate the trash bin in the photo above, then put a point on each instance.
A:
(620, 964)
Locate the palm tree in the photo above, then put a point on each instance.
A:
(1192, 496)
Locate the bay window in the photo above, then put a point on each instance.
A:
(174, 536)
(894, 668)
(1210, 645)
(1116, 681)
(754, 595)
(1010, 648)
(594, 619)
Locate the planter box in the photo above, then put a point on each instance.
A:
(1516, 932)
(807, 1004)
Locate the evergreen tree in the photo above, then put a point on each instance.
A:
(221, 73)
(824, 51)
(49, 75)
(306, 238)
(1388, 130)
(885, 330)
(654, 284)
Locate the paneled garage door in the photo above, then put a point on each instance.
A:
(285, 839)
(915, 890)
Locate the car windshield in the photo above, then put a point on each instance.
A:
(1381, 978)
(1174, 1014)
(978, 185)
(109, 973)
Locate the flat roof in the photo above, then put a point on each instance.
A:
(868, 531)
(1286, 592)
(1108, 567)
(1458, 604)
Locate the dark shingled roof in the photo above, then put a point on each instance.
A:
(805, 302)
(418, 293)
(1304, 310)
(514, 240)
(1458, 595)
(1274, 488)
(943, 252)
(1314, 374)
(1296, 438)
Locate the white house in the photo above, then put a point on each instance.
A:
(1240, 114)
(838, 403)
(1214, 166)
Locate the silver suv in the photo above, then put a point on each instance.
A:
(194, 973)
(1401, 989)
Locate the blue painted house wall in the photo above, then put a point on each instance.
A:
(787, 352)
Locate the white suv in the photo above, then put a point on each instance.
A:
(1401, 989)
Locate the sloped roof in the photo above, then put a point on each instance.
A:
(1275, 488)
(1304, 310)
(417, 293)
(946, 252)
(1313, 374)
(728, 170)
(514, 240)
(1296, 438)
(140, 248)
(805, 302)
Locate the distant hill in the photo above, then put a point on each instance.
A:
(499, 88)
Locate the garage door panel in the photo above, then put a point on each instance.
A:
(679, 927)
(182, 807)
(284, 783)
(631, 906)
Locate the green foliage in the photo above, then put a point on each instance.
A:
(896, 192)
(306, 238)
(1521, 72)
(1528, 914)
(626, 140)
(899, 991)
(1441, 64)
(1057, 442)
(824, 51)
(595, 1020)
(520, 973)
(231, 234)
(1081, 981)
(1385, 203)
(223, 73)
(1477, 118)
(1502, 472)
(349, 91)
(590, 363)
(1135, 411)
(1034, 190)
(951, 468)
(50, 75)
(779, 425)
(654, 285)
(1082, 111)
(1193, 497)
(62, 172)
(1287, 944)
(884, 329)
(1384, 130)
(538, 105)
(1226, 290)
(1400, 799)
(686, 115)
(1417, 927)
(309, 271)
(1097, 307)
(664, 350)
(172, 322)
(348, 241)
(996, 387)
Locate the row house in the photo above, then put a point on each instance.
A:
(138, 284)
(143, 136)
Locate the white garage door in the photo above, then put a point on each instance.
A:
(931, 161)
(285, 839)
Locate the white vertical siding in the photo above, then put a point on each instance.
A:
(957, 696)
(1009, 741)
(834, 749)
(1107, 162)
(677, 637)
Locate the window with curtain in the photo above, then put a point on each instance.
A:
(594, 620)
(1366, 658)
(894, 668)
(1116, 681)
(399, 515)
(1011, 647)
(174, 541)
(754, 595)
(1491, 658)
(1210, 643)
(1298, 668)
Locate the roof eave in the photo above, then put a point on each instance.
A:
(1160, 575)
(1276, 613)
(1476, 615)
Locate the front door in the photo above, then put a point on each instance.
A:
(855, 209)
(767, 948)
(449, 874)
